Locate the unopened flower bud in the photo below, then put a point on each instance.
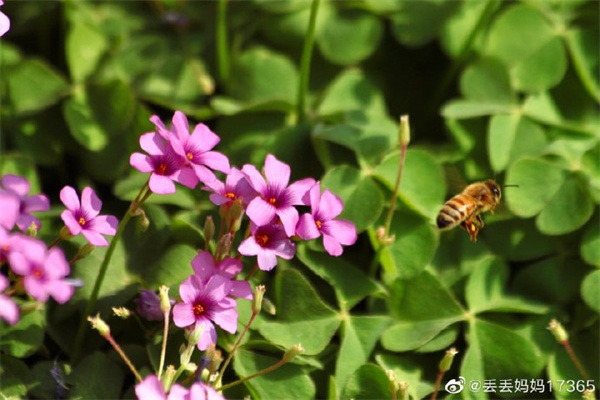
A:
(142, 222)
(209, 228)
(33, 229)
(234, 215)
(404, 136)
(165, 302)
(191, 367)
(148, 306)
(65, 233)
(268, 306)
(99, 325)
(558, 331)
(84, 251)
(446, 362)
(121, 312)
(402, 390)
(382, 236)
(259, 291)
(169, 376)
(224, 245)
(393, 381)
(294, 351)
(215, 357)
(193, 335)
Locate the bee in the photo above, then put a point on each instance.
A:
(465, 209)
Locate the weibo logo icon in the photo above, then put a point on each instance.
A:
(455, 385)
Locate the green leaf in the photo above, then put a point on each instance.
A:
(423, 185)
(286, 382)
(413, 248)
(96, 377)
(172, 268)
(529, 46)
(25, 337)
(309, 322)
(363, 200)
(33, 86)
(368, 382)
(530, 140)
(462, 109)
(485, 291)
(360, 334)
(419, 22)
(352, 90)
(85, 46)
(569, 209)
(502, 132)
(46, 386)
(590, 290)
(411, 335)
(538, 182)
(409, 370)
(349, 37)
(261, 74)
(350, 283)
(487, 81)
(15, 378)
(519, 239)
(590, 245)
(583, 47)
(82, 124)
(23, 166)
(443, 340)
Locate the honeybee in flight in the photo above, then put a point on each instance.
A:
(465, 209)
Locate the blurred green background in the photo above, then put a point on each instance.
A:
(494, 89)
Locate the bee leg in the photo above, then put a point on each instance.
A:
(472, 226)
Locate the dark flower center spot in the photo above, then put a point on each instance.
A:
(230, 195)
(5, 248)
(272, 200)
(198, 309)
(37, 273)
(161, 169)
(262, 240)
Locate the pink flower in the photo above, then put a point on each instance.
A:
(204, 267)
(205, 303)
(83, 217)
(43, 271)
(163, 163)
(336, 232)
(4, 22)
(235, 186)
(9, 204)
(276, 197)
(194, 148)
(202, 391)
(152, 389)
(8, 309)
(267, 243)
(19, 187)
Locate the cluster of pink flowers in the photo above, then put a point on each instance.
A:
(152, 389)
(38, 270)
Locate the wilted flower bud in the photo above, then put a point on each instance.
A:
(294, 351)
(165, 302)
(258, 298)
(85, 251)
(446, 362)
(215, 357)
(404, 135)
(268, 306)
(402, 390)
(65, 233)
(99, 325)
(224, 245)
(121, 312)
(394, 386)
(148, 305)
(558, 331)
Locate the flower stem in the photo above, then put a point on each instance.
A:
(575, 359)
(118, 349)
(55, 242)
(76, 349)
(163, 350)
(390, 214)
(309, 43)
(252, 271)
(273, 367)
(438, 383)
(235, 347)
(221, 37)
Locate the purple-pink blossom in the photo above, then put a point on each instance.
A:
(9, 205)
(204, 267)
(4, 22)
(43, 271)
(83, 217)
(18, 187)
(267, 243)
(148, 305)
(205, 304)
(163, 163)
(276, 198)
(152, 389)
(194, 148)
(321, 221)
(202, 391)
(8, 308)
(236, 186)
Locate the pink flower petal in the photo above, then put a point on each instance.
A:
(332, 246)
(204, 265)
(106, 224)
(71, 222)
(9, 204)
(285, 249)
(315, 196)
(19, 263)
(94, 238)
(230, 266)
(203, 138)
(8, 310)
(55, 264)
(242, 290)
(216, 161)
(217, 287)
(16, 184)
(342, 230)
(306, 228)
(218, 199)
(183, 315)
(289, 219)
(249, 247)
(35, 288)
(260, 212)
(160, 184)
(299, 192)
(70, 199)
(61, 291)
(203, 174)
(209, 336)
(150, 388)
(187, 177)
(90, 203)
(180, 126)
(153, 144)
(226, 319)
(190, 289)
(330, 205)
(3, 283)
(178, 392)
(39, 202)
(255, 179)
(276, 172)
(267, 260)
(4, 24)
(141, 162)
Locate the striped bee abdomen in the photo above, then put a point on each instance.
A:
(455, 211)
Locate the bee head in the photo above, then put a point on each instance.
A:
(495, 189)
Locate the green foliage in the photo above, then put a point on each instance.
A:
(494, 90)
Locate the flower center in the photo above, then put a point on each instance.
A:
(37, 273)
(81, 221)
(190, 156)
(198, 309)
(161, 169)
(230, 195)
(318, 223)
(262, 240)
(5, 248)
(272, 200)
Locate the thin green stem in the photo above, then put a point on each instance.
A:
(163, 350)
(307, 50)
(390, 214)
(575, 360)
(55, 242)
(273, 367)
(235, 347)
(118, 349)
(438, 383)
(221, 37)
